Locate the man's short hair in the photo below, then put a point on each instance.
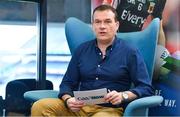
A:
(106, 7)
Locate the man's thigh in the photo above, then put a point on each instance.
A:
(99, 111)
(51, 107)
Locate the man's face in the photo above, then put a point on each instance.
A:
(104, 25)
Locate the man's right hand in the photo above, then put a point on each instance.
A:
(74, 104)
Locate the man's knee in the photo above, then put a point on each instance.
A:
(46, 105)
(109, 112)
(39, 104)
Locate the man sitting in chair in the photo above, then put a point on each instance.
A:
(105, 62)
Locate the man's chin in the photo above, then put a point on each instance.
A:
(102, 37)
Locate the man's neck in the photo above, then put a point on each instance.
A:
(102, 45)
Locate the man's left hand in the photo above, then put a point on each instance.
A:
(114, 97)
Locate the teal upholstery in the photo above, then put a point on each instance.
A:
(39, 94)
(78, 32)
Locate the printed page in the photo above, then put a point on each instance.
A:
(91, 96)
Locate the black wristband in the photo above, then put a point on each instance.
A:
(65, 102)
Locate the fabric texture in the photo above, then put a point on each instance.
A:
(122, 66)
(55, 107)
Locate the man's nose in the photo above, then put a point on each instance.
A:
(102, 25)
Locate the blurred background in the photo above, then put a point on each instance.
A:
(19, 35)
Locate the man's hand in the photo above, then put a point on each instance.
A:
(74, 104)
(114, 97)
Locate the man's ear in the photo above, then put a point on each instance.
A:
(92, 26)
(118, 24)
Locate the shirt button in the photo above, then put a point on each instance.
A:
(97, 78)
(99, 53)
(99, 65)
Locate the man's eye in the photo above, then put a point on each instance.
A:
(107, 22)
(97, 22)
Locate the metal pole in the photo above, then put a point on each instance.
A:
(41, 42)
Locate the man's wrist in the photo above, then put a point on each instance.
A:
(65, 98)
(65, 102)
(125, 97)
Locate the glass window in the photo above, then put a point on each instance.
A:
(18, 32)
(58, 54)
(18, 45)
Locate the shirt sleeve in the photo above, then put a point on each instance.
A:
(139, 75)
(71, 78)
(158, 10)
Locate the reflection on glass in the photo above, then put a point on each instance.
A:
(18, 32)
(58, 54)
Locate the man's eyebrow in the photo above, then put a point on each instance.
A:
(104, 19)
(108, 19)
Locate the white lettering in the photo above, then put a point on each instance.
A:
(140, 6)
(134, 19)
(158, 92)
(142, 21)
(169, 103)
(124, 15)
(131, 1)
(143, 1)
(129, 16)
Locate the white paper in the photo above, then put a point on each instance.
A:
(91, 96)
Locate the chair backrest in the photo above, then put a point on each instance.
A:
(15, 89)
(78, 32)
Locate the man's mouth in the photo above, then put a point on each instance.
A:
(102, 33)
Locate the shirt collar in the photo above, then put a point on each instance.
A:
(110, 47)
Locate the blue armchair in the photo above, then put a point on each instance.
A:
(78, 32)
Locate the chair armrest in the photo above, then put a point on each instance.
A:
(139, 107)
(39, 94)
